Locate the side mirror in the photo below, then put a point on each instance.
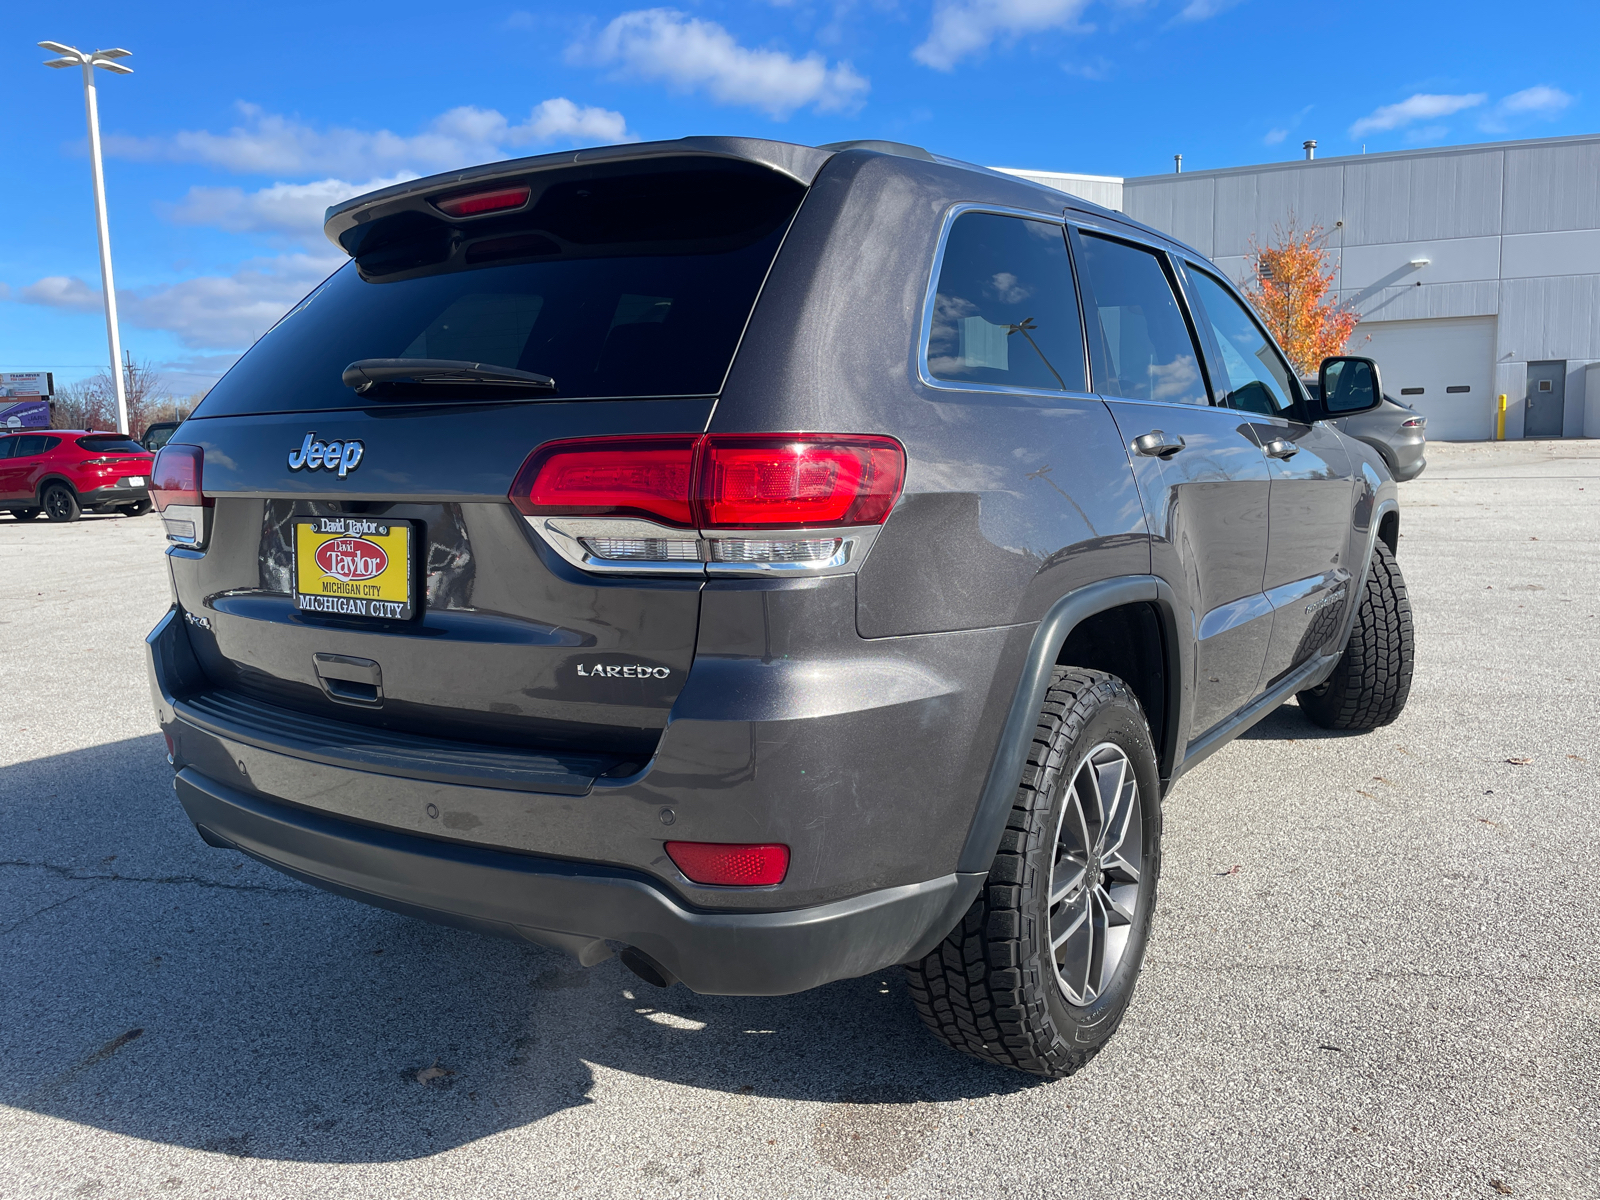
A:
(1348, 385)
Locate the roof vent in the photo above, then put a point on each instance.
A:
(881, 147)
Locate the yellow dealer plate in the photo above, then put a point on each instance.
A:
(353, 567)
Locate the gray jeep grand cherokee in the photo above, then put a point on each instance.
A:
(767, 563)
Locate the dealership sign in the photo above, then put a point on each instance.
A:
(24, 399)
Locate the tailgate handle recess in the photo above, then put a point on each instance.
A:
(350, 680)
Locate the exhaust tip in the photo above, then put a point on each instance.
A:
(646, 968)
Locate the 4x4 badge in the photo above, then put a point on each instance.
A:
(342, 457)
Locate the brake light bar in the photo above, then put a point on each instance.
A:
(475, 204)
(718, 481)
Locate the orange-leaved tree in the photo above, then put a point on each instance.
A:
(1291, 290)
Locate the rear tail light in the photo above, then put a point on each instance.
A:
(610, 477)
(720, 481)
(175, 487)
(729, 864)
(473, 204)
(1414, 423)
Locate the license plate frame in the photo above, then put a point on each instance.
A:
(371, 577)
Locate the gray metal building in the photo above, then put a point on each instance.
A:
(1475, 270)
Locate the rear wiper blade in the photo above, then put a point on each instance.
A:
(364, 373)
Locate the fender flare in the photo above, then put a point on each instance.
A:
(44, 484)
(1011, 753)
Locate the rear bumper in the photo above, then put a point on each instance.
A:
(581, 906)
(112, 494)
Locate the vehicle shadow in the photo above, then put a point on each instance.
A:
(1287, 723)
(161, 989)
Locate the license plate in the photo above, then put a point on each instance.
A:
(353, 567)
(134, 481)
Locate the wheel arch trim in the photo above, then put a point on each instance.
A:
(48, 481)
(1011, 753)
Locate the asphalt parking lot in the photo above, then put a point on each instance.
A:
(1373, 973)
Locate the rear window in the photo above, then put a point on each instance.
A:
(111, 444)
(615, 282)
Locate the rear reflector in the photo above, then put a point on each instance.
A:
(721, 481)
(175, 478)
(472, 204)
(728, 864)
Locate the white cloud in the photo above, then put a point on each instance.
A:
(293, 209)
(689, 54)
(227, 312)
(1204, 10)
(560, 120)
(63, 291)
(269, 143)
(196, 373)
(1420, 107)
(1274, 136)
(1097, 71)
(965, 27)
(1539, 101)
(209, 312)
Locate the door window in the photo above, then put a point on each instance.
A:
(1252, 376)
(33, 443)
(8, 446)
(1004, 312)
(1142, 346)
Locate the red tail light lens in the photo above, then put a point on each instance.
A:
(610, 477)
(766, 482)
(729, 864)
(720, 481)
(175, 478)
(472, 204)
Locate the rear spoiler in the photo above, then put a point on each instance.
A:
(800, 163)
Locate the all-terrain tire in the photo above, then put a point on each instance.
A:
(991, 989)
(61, 503)
(1372, 679)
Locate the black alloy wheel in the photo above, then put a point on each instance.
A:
(26, 514)
(137, 509)
(60, 504)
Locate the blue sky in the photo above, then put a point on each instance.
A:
(242, 122)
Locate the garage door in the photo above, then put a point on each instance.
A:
(1443, 368)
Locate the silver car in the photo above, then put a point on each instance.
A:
(1396, 431)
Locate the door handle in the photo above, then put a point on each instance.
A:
(1156, 444)
(1279, 448)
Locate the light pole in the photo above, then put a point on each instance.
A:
(106, 60)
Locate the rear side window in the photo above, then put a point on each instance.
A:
(615, 281)
(111, 444)
(1004, 312)
(1140, 341)
(1257, 380)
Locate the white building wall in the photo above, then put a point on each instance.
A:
(1509, 231)
(1104, 190)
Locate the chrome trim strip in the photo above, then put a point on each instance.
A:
(564, 534)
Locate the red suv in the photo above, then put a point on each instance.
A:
(62, 472)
